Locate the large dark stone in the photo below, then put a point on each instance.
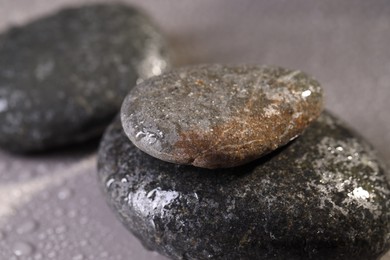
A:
(323, 196)
(218, 116)
(63, 77)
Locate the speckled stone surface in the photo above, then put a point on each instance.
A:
(216, 116)
(63, 77)
(323, 196)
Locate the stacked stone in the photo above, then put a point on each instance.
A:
(238, 162)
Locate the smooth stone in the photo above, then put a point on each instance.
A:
(324, 196)
(63, 77)
(217, 116)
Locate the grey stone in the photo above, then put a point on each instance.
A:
(323, 196)
(216, 116)
(64, 77)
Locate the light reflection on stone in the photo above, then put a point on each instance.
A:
(359, 193)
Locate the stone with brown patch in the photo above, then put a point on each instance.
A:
(217, 116)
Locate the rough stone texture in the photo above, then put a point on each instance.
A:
(216, 116)
(323, 196)
(63, 77)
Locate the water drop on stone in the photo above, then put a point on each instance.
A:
(109, 182)
(22, 249)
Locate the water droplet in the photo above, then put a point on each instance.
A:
(139, 135)
(61, 229)
(27, 227)
(3, 105)
(83, 220)
(64, 244)
(152, 138)
(139, 80)
(306, 93)
(22, 249)
(84, 242)
(52, 254)
(64, 193)
(359, 193)
(38, 257)
(72, 213)
(109, 182)
(104, 254)
(78, 257)
(58, 212)
(42, 236)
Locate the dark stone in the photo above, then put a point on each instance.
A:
(64, 77)
(217, 116)
(323, 196)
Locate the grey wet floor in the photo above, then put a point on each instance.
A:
(50, 204)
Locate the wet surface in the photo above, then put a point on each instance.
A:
(51, 208)
(72, 69)
(220, 116)
(322, 196)
(344, 45)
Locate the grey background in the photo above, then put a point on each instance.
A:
(50, 204)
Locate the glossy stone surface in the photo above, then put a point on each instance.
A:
(63, 77)
(323, 196)
(215, 116)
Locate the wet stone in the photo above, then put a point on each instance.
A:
(215, 116)
(323, 196)
(63, 77)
